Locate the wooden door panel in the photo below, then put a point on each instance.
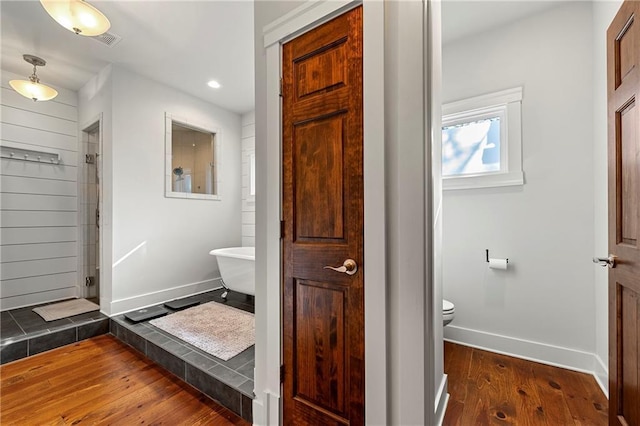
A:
(626, 48)
(629, 364)
(321, 71)
(318, 179)
(322, 209)
(320, 345)
(623, 42)
(628, 151)
(322, 38)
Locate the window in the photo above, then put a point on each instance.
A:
(192, 161)
(482, 141)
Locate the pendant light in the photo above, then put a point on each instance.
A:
(32, 88)
(77, 16)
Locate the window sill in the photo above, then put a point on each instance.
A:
(483, 181)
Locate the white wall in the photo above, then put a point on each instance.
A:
(160, 245)
(406, 215)
(543, 306)
(39, 202)
(603, 13)
(248, 200)
(95, 104)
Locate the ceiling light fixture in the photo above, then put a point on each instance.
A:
(32, 88)
(214, 84)
(77, 16)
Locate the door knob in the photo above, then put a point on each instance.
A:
(609, 262)
(349, 267)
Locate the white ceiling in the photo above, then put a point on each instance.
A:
(463, 18)
(182, 44)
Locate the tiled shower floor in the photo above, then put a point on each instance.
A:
(24, 333)
(229, 382)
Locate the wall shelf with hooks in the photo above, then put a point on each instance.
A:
(29, 155)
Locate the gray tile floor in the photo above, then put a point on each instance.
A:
(24, 333)
(232, 383)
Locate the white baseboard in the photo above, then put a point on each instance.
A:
(442, 399)
(556, 356)
(601, 374)
(258, 413)
(267, 413)
(149, 299)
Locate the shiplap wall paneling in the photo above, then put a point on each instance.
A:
(38, 201)
(248, 201)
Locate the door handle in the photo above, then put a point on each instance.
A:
(609, 262)
(349, 267)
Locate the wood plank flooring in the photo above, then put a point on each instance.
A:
(101, 381)
(491, 389)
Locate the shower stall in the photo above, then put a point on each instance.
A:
(90, 213)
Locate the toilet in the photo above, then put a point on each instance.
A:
(448, 311)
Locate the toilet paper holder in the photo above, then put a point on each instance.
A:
(487, 252)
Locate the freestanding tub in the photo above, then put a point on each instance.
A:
(237, 269)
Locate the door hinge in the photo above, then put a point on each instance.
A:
(282, 229)
(282, 373)
(281, 85)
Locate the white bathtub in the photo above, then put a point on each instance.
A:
(237, 268)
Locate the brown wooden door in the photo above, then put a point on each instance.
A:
(323, 317)
(623, 57)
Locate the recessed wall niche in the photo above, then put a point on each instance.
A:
(192, 160)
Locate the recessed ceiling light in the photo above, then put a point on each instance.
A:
(213, 84)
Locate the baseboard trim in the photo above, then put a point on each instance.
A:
(601, 375)
(149, 299)
(258, 413)
(266, 412)
(556, 356)
(442, 400)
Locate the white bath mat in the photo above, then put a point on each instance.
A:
(65, 309)
(215, 328)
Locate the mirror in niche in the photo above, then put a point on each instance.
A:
(192, 161)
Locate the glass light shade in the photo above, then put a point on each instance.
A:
(77, 16)
(33, 90)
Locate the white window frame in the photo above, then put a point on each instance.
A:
(507, 105)
(217, 158)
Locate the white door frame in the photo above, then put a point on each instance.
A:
(266, 407)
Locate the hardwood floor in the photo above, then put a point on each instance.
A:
(101, 381)
(491, 389)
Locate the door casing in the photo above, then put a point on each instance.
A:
(315, 13)
(268, 156)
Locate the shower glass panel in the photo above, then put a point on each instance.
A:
(91, 212)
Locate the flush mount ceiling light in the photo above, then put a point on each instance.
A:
(32, 88)
(214, 84)
(77, 16)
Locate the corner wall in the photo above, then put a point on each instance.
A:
(160, 246)
(95, 103)
(542, 307)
